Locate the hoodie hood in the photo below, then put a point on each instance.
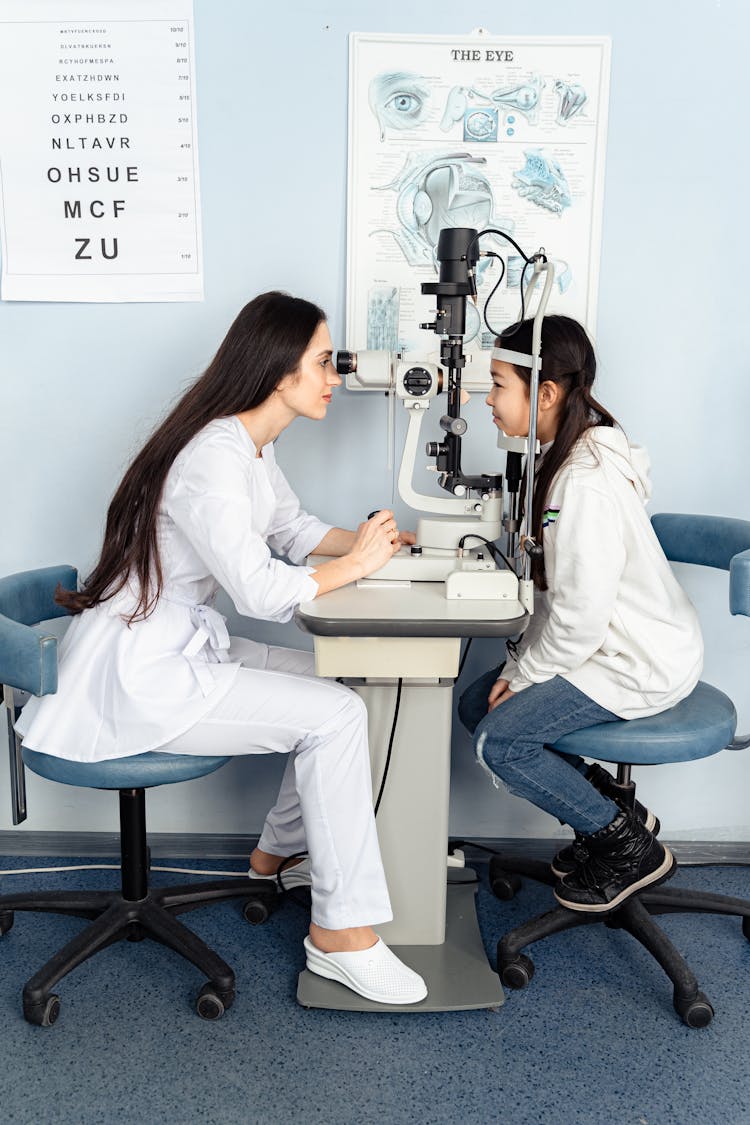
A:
(614, 452)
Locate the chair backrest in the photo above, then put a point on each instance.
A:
(716, 541)
(28, 657)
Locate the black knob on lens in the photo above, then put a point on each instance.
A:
(436, 448)
(346, 362)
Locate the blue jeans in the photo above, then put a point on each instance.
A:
(511, 741)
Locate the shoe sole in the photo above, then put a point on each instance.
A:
(664, 871)
(651, 823)
(340, 975)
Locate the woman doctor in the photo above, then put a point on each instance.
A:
(147, 663)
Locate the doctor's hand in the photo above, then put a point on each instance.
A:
(406, 538)
(376, 541)
(499, 692)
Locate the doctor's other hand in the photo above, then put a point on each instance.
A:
(499, 692)
(407, 538)
(376, 541)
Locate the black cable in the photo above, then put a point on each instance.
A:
(300, 855)
(390, 746)
(287, 863)
(453, 844)
(463, 658)
(506, 333)
(491, 547)
(528, 261)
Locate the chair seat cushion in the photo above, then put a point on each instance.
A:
(702, 724)
(141, 771)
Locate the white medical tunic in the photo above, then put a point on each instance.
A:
(125, 689)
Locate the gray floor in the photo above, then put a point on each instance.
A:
(594, 1040)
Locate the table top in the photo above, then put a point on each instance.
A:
(419, 610)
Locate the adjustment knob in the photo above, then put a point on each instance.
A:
(417, 381)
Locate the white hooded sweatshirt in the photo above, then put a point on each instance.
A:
(613, 621)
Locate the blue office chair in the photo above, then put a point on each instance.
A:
(28, 662)
(702, 724)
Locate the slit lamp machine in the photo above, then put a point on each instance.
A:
(474, 510)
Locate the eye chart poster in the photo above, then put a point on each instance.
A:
(99, 196)
(476, 131)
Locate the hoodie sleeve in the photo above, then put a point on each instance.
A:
(531, 634)
(583, 577)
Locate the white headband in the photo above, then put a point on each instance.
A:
(518, 358)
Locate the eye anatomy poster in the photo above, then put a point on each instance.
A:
(478, 132)
(99, 195)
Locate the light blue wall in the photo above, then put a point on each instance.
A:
(82, 385)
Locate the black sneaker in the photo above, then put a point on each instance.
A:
(569, 857)
(623, 857)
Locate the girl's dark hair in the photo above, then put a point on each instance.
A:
(265, 343)
(567, 359)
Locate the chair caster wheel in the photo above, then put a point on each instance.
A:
(517, 973)
(211, 1003)
(695, 1011)
(6, 921)
(745, 927)
(503, 884)
(42, 1013)
(258, 910)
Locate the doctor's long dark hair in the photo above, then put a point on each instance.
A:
(567, 359)
(265, 342)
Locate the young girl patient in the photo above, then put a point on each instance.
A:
(613, 635)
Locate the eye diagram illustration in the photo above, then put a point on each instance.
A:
(480, 125)
(542, 181)
(398, 100)
(382, 318)
(442, 191)
(524, 98)
(464, 102)
(571, 99)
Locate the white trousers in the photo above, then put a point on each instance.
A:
(278, 705)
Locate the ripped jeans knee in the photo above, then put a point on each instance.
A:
(479, 745)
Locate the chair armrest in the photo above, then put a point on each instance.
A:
(28, 660)
(29, 596)
(739, 584)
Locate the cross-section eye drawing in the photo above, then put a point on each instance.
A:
(445, 190)
(571, 99)
(399, 100)
(480, 125)
(524, 97)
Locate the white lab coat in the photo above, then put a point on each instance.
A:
(125, 689)
(172, 682)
